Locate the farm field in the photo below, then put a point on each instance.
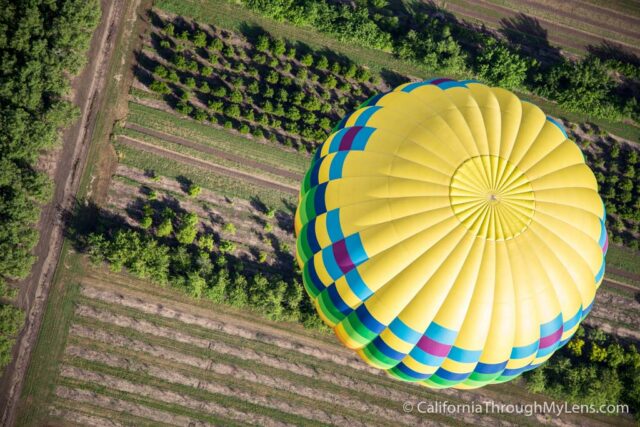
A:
(212, 177)
(572, 25)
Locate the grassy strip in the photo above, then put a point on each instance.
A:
(40, 378)
(233, 16)
(268, 153)
(138, 94)
(623, 258)
(630, 7)
(623, 279)
(191, 152)
(224, 185)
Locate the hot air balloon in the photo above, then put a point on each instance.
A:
(451, 234)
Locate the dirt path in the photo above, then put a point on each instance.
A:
(150, 148)
(88, 89)
(210, 150)
(627, 274)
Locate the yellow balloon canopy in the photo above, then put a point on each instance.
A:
(451, 234)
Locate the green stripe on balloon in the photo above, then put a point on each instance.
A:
(377, 357)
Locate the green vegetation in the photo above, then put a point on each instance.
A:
(623, 258)
(593, 368)
(448, 47)
(207, 135)
(41, 44)
(11, 320)
(266, 86)
(614, 165)
(222, 184)
(39, 49)
(175, 253)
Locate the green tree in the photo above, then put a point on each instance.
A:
(262, 43)
(307, 60)
(165, 228)
(575, 346)
(186, 232)
(11, 319)
(160, 87)
(229, 228)
(200, 39)
(194, 190)
(227, 246)
(583, 86)
(500, 66)
(278, 47)
(146, 222)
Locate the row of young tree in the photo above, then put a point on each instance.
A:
(265, 86)
(594, 368)
(172, 249)
(41, 44)
(616, 172)
(437, 41)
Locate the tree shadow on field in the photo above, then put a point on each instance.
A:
(290, 206)
(525, 32)
(85, 217)
(609, 50)
(258, 204)
(155, 19)
(284, 221)
(392, 79)
(629, 86)
(251, 32)
(185, 183)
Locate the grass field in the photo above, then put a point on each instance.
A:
(623, 258)
(204, 134)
